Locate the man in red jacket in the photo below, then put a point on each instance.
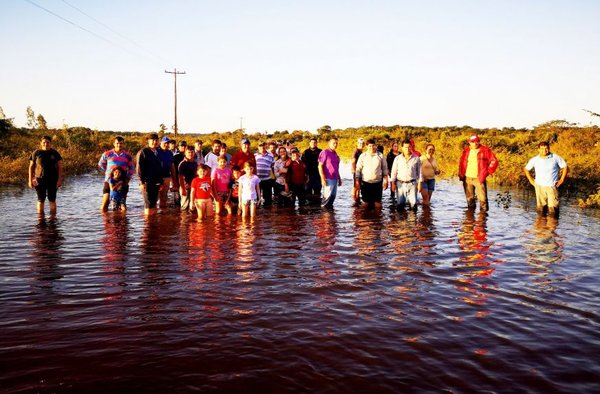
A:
(240, 157)
(476, 163)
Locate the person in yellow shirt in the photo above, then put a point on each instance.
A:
(476, 163)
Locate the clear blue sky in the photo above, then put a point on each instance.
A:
(298, 65)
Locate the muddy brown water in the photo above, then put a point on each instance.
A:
(300, 300)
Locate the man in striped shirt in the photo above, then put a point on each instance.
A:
(264, 168)
(111, 159)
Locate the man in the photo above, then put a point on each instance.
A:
(212, 157)
(371, 175)
(329, 172)
(149, 172)
(177, 159)
(224, 153)
(547, 167)
(406, 177)
(45, 174)
(272, 149)
(264, 169)
(476, 163)
(243, 155)
(173, 147)
(168, 171)
(187, 172)
(360, 144)
(116, 157)
(198, 156)
(413, 148)
(297, 178)
(310, 157)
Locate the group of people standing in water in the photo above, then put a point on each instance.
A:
(220, 183)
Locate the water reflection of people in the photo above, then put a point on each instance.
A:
(425, 233)
(545, 247)
(368, 227)
(475, 256)
(114, 242)
(114, 245)
(160, 243)
(47, 250)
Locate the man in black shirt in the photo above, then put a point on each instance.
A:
(149, 171)
(310, 157)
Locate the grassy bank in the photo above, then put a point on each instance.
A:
(580, 146)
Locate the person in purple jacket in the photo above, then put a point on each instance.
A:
(329, 170)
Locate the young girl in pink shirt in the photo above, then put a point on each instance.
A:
(221, 181)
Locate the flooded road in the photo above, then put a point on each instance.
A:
(298, 300)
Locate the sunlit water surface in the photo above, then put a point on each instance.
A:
(298, 300)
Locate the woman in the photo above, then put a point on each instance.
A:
(280, 169)
(429, 169)
(394, 151)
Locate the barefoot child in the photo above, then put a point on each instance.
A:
(221, 179)
(116, 183)
(234, 200)
(249, 190)
(202, 192)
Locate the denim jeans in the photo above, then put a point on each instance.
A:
(406, 192)
(329, 192)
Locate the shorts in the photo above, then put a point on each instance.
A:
(46, 188)
(247, 203)
(371, 192)
(124, 189)
(546, 196)
(428, 184)
(222, 196)
(203, 203)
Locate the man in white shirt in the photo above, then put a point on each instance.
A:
(550, 172)
(406, 177)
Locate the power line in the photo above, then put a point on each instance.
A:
(115, 32)
(80, 27)
(175, 73)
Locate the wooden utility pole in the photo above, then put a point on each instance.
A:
(175, 72)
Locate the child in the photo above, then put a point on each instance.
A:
(297, 178)
(234, 200)
(249, 191)
(116, 183)
(221, 179)
(202, 192)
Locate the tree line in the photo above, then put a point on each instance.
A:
(579, 145)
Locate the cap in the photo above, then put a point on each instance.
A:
(182, 143)
(152, 136)
(262, 143)
(246, 141)
(360, 140)
(165, 139)
(294, 150)
(474, 138)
